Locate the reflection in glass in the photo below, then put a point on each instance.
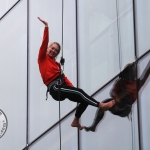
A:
(124, 92)
(108, 129)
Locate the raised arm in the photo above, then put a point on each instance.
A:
(43, 48)
(45, 23)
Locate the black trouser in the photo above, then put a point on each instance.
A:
(74, 94)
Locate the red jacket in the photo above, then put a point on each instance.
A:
(48, 67)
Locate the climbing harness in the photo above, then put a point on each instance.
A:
(58, 81)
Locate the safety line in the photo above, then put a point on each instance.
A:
(60, 77)
(118, 28)
(59, 117)
(62, 26)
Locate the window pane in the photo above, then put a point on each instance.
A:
(144, 101)
(51, 140)
(112, 132)
(125, 30)
(98, 43)
(13, 79)
(5, 5)
(143, 26)
(44, 114)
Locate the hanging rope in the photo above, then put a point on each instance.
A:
(62, 61)
(118, 27)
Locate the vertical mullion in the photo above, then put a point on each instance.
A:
(27, 125)
(77, 60)
(135, 55)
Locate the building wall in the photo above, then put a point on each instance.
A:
(98, 39)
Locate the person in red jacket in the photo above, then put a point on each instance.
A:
(124, 92)
(58, 84)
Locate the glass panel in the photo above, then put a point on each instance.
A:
(43, 113)
(69, 134)
(144, 101)
(143, 26)
(112, 132)
(49, 141)
(5, 5)
(52, 139)
(13, 64)
(98, 43)
(125, 29)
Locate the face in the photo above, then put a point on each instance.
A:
(53, 50)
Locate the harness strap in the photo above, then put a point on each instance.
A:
(47, 94)
(57, 81)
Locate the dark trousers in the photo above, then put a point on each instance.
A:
(74, 94)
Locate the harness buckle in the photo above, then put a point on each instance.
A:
(59, 82)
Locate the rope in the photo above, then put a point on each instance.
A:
(118, 27)
(62, 59)
(59, 115)
(132, 128)
(62, 63)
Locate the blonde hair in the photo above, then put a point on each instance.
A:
(59, 47)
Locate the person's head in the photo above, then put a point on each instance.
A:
(129, 72)
(53, 49)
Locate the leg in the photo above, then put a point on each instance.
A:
(80, 109)
(75, 123)
(78, 95)
(98, 117)
(106, 105)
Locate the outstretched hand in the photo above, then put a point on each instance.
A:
(45, 23)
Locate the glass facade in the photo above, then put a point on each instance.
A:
(98, 38)
(13, 62)
(6, 5)
(144, 96)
